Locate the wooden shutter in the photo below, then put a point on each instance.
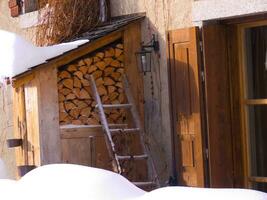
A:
(184, 71)
(30, 5)
(218, 106)
(15, 7)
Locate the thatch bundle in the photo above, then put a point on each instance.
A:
(62, 20)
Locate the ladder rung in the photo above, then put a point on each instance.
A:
(136, 157)
(126, 130)
(143, 184)
(114, 106)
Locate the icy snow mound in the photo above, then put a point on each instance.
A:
(18, 55)
(74, 182)
(188, 193)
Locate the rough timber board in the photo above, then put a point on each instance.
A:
(48, 115)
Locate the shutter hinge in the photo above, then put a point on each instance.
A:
(207, 153)
(202, 76)
(201, 46)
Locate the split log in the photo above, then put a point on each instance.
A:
(100, 55)
(85, 83)
(83, 69)
(99, 81)
(80, 104)
(84, 94)
(111, 89)
(68, 83)
(113, 96)
(92, 68)
(108, 81)
(65, 91)
(72, 68)
(77, 82)
(64, 74)
(96, 59)
(115, 63)
(97, 74)
(102, 90)
(109, 53)
(108, 60)
(61, 97)
(101, 65)
(75, 112)
(81, 63)
(92, 121)
(108, 71)
(69, 106)
(70, 96)
(79, 74)
(86, 112)
(118, 52)
(121, 58)
(116, 75)
(77, 92)
(88, 61)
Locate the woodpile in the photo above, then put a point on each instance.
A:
(76, 103)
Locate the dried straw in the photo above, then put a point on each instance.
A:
(62, 20)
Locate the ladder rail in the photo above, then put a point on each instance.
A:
(108, 139)
(137, 123)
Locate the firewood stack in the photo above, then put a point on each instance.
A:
(76, 103)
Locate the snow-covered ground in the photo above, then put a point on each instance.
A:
(74, 182)
(18, 55)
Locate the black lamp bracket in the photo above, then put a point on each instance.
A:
(153, 43)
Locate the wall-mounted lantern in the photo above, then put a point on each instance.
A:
(144, 57)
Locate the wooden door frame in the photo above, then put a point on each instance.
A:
(242, 81)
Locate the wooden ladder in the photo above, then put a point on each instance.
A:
(109, 131)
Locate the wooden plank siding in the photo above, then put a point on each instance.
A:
(48, 115)
(20, 125)
(132, 44)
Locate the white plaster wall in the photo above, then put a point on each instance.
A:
(17, 24)
(162, 15)
(221, 9)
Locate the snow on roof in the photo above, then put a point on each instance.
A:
(19, 55)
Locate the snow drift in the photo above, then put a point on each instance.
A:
(18, 55)
(69, 182)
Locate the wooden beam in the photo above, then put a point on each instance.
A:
(81, 132)
(255, 101)
(18, 82)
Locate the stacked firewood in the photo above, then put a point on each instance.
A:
(76, 101)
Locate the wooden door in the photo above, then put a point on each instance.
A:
(184, 72)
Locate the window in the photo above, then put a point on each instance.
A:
(18, 7)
